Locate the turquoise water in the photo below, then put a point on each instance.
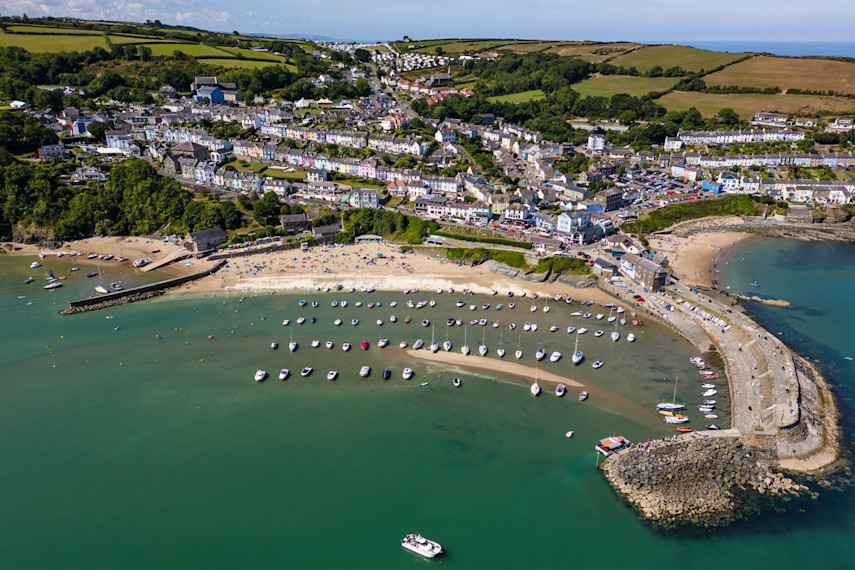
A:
(151, 446)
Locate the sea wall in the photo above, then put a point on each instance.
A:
(707, 482)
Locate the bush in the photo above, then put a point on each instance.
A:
(392, 226)
(675, 213)
(560, 264)
(498, 241)
(480, 255)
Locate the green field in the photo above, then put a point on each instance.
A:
(249, 54)
(237, 63)
(608, 85)
(748, 104)
(688, 58)
(194, 50)
(50, 30)
(52, 43)
(788, 73)
(520, 97)
(138, 40)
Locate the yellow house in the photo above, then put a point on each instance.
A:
(499, 202)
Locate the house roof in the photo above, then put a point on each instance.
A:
(208, 234)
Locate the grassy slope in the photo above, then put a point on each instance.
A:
(586, 51)
(788, 73)
(195, 50)
(608, 85)
(53, 43)
(747, 105)
(518, 97)
(688, 58)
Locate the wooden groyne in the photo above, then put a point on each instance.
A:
(135, 293)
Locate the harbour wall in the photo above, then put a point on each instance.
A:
(135, 293)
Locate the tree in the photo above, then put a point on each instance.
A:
(362, 55)
(438, 50)
(98, 130)
(728, 117)
(144, 53)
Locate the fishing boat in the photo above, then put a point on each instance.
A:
(365, 371)
(332, 374)
(560, 390)
(583, 396)
(260, 375)
(421, 545)
(345, 346)
(671, 406)
(709, 393)
(334, 304)
(611, 445)
(597, 364)
(363, 344)
(418, 344)
(712, 427)
(599, 316)
(386, 374)
(569, 434)
(460, 303)
(456, 382)
(283, 374)
(577, 354)
(407, 373)
(383, 342)
(358, 303)
(306, 371)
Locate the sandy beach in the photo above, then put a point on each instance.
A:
(691, 257)
(379, 266)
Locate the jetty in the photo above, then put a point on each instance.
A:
(135, 293)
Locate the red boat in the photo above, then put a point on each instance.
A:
(684, 429)
(364, 345)
(408, 319)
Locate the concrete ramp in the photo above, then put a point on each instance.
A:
(177, 255)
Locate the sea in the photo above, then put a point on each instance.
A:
(135, 437)
(792, 49)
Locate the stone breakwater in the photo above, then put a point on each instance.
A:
(112, 302)
(708, 482)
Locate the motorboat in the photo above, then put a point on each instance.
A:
(284, 373)
(707, 385)
(141, 262)
(302, 302)
(35, 265)
(346, 346)
(493, 292)
(540, 354)
(472, 307)
(358, 303)
(527, 327)
(676, 419)
(393, 318)
(460, 303)
(630, 337)
(432, 303)
(337, 322)
(407, 374)
(29, 280)
(332, 374)
(383, 342)
(560, 390)
(512, 305)
(386, 374)
(554, 328)
(583, 396)
(434, 347)
(393, 304)
(379, 322)
(421, 545)
(403, 344)
(598, 333)
(286, 322)
(597, 364)
(315, 343)
(334, 304)
(418, 344)
(260, 375)
(301, 320)
(555, 356)
(365, 371)
(274, 345)
(354, 322)
(329, 344)
(709, 393)
(52, 286)
(363, 344)
(456, 382)
(576, 314)
(499, 307)
(599, 316)
(569, 434)
(306, 371)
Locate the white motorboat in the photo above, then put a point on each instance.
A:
(540, 354)
(286, 322)
(284, 373)
(345, 347)
(260, 375)
(456, 382)
(560, 390)
(393, 319)
(583, 396)
(365, 371)
(554, 328)
(274, 345)
(460, 303)
(599, 316)
(421, 545)
(418, 344)
(576, 314)
(306, 371)
(407, 374)
(301, 320)
(358, 303)
(35, 265)
(676, 419)
(329, 344)
(337, 322)
(582, 330)
(597, 364)
(332, 374)
(630, 337)
(709, 393)
(379, 322)
(707, 385)
(527, 327)
(316, 343)
(598, 334)
(383, 342)
(555, 356)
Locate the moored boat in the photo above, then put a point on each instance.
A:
(407, 373)
(583, 396)
(260, 375)
(283, 374)
(421, 545)
(560, 390)
(365, 371)
(306, 371)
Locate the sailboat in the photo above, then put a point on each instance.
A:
(519, 353)
(615, 334)
(540, 352)
(100, 287)
(500, 351)
(672, 405)
(546, 306)
(433, 345)
(292, 346)
(446, 346)
(535, 389)
(482, 349)
(577, 354)
(465, 348)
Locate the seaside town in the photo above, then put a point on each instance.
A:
(335, 168)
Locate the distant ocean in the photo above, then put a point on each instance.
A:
(837, 49)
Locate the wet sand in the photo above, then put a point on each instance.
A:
(692, 257)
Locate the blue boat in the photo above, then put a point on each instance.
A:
(387, 374)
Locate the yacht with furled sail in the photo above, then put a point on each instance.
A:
(577, 354)
(446, 346)
(292, 346)
(535, 388)
(671, 406)
(465, 348)
(519, 353)
(482, 348)
(433, 344)
(500, 351)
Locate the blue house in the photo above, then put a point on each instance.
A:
(211, 93)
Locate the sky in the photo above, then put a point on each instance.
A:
(653, 21)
